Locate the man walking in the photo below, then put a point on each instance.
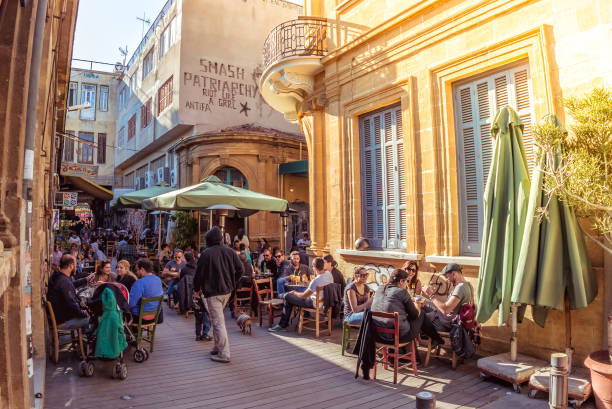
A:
(217, 273)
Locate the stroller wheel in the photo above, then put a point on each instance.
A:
(139, 355)
(146, 354)
(86, 369)
(120, 371)
(123, 372)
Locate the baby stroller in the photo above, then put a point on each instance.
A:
(107, 340)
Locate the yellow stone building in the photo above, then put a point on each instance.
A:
(396, 99)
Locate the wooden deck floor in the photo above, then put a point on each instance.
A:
(267, 371)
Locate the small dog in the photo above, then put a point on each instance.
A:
(244, 322)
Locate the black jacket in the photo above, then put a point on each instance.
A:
(219, 267)
(62, 296)
(365, 346)
(332, 298)
(390, 298)
(338, 278)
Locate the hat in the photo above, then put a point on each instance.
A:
(450, 268)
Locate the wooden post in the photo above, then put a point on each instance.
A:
(569, 350)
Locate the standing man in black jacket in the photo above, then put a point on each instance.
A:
(217, 273)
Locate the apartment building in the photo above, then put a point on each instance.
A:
(187, 100)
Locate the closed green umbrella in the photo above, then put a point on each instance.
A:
(134, 199)
(553, 261)
(210, 192)
(505, 210)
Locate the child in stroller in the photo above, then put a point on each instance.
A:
(110, 315)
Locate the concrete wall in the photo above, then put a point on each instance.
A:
(226, 35)
(104, 120)
(413, 53)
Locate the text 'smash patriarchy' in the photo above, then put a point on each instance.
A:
(222, 85)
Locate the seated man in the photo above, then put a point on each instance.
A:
(62, 295)
(147, 285)
(441, 313)
(172, 272)
(267, 265)
(304, 299)
(295, 268)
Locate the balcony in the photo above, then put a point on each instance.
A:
(291, 55)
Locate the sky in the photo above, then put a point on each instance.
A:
(101, 29)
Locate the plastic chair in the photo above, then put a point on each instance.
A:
(147, 321)
(76, 336)
(317, 311)
(266, 300)
(383, 347)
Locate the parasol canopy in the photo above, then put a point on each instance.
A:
(505, 210)
(553, 259)
(134, 199)
(210, 192)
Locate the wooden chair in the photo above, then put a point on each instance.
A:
(346, 334)
(396, 345)
(149, 326)
(317, 310)
(452, 356)
(266, 300)
(111, 249)
(242, 300)
(76, 336)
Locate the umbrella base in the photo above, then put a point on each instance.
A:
(502, 367)
(578, 383)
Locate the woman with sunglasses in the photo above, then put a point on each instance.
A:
(357, 298)
(414, 284)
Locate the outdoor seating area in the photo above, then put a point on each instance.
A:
(269, 370)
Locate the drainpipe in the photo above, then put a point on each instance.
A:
(28, 171)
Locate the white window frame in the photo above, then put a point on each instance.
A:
(168, 38)
(88, 95)
(491, 90)
(69, 147)
(384, 216)
(73, 93)
(104, 93)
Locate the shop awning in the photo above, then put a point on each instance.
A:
(297, 168)
(90, 187)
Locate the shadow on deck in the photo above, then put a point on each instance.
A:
(267, 370)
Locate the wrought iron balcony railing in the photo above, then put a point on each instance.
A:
(303, 37)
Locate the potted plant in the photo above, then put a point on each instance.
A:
(585, 182)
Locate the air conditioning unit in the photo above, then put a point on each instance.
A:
(173, 177)
(160, 175)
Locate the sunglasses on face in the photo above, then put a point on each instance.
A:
(278, 256)
(362, 275)
(412, 270)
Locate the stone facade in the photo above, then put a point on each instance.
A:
(416, 55)
(36, 49)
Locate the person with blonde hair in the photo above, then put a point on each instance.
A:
(124, 275)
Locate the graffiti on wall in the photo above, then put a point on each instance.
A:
(224, 86)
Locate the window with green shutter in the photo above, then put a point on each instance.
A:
(476, 102)
(382, 178)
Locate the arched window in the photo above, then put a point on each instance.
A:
(232, 176)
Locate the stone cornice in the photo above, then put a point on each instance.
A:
(277, 140)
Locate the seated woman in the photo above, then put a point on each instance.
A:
(124, 275)
(103, 273)
(357, 298)
(394, 297)
(331, 266)
(414, 284)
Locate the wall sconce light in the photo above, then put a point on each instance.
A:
(291, 189)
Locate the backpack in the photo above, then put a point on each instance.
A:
(467, 312)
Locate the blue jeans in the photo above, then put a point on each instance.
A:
(172, 288)
(201, 317)
(74, 323)
(280, 286)
(355, 318)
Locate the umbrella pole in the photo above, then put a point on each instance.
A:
(159, 231)
(569, 349)
(513, 340)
